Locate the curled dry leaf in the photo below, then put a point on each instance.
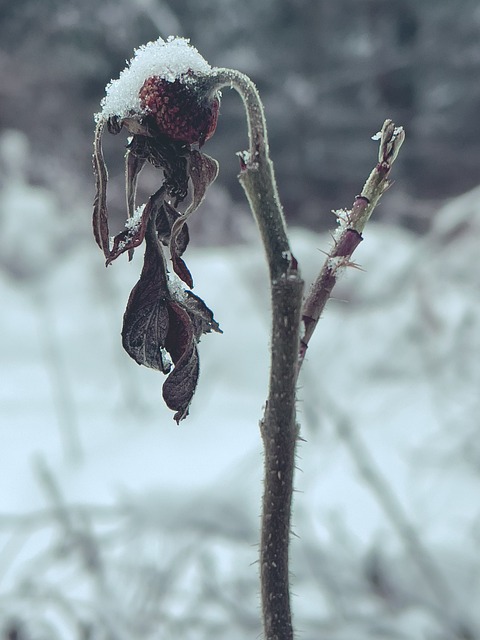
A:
(100, 217)
(162, 324)
(179, 387)
(161, 329)
(202, 170)
(146, 322)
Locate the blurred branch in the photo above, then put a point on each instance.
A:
(62, 393)
(78, 536)
(447, 606)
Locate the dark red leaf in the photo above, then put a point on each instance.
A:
(182, 270)
(180, 385)
(133, 166)
(165, 221)
(202, 317)
(146, 319)
(202, 170)
(161, 327)
(131, 238)
(100, 215)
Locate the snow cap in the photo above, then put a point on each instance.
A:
(168, 60)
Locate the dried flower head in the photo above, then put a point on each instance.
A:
(163, 101)
(178, 109)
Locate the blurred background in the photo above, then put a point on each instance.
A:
(114, 523)
(329, 73)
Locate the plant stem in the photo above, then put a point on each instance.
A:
(280, 433)
(278, 427)
(257, 176)
(349, 233)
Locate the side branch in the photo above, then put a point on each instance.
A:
(349, 233)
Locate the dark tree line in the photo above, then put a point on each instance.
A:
(329, 71)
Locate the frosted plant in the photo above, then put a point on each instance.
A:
(168, 100)
(158, 100)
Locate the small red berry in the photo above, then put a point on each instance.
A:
(179, 111)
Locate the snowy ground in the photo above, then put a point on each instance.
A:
(116, 523)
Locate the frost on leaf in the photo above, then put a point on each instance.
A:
(162, 102)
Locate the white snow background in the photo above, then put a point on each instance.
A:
(116, 523)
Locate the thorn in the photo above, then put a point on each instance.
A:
(354, 265)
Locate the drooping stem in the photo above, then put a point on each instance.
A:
(278, 426)
(257, 176)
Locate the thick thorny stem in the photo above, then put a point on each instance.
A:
(278, 426)
(280, 433)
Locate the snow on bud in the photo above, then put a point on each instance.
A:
(163, 80)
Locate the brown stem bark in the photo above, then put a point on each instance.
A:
(278, 426)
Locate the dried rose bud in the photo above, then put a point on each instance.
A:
(163, 99)
(179, 111)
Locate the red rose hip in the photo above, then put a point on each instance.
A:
(180, 111)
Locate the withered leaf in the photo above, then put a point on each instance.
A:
(100, 215)
(203, 171)
(133, 166)
(155, 324)
(182, 270)
(161, 325)
(165, 220)
(180, 385)
(202, 317)
(146, 319)
(129, 239)
(188, 321)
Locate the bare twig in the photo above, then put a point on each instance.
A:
(349, 233)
